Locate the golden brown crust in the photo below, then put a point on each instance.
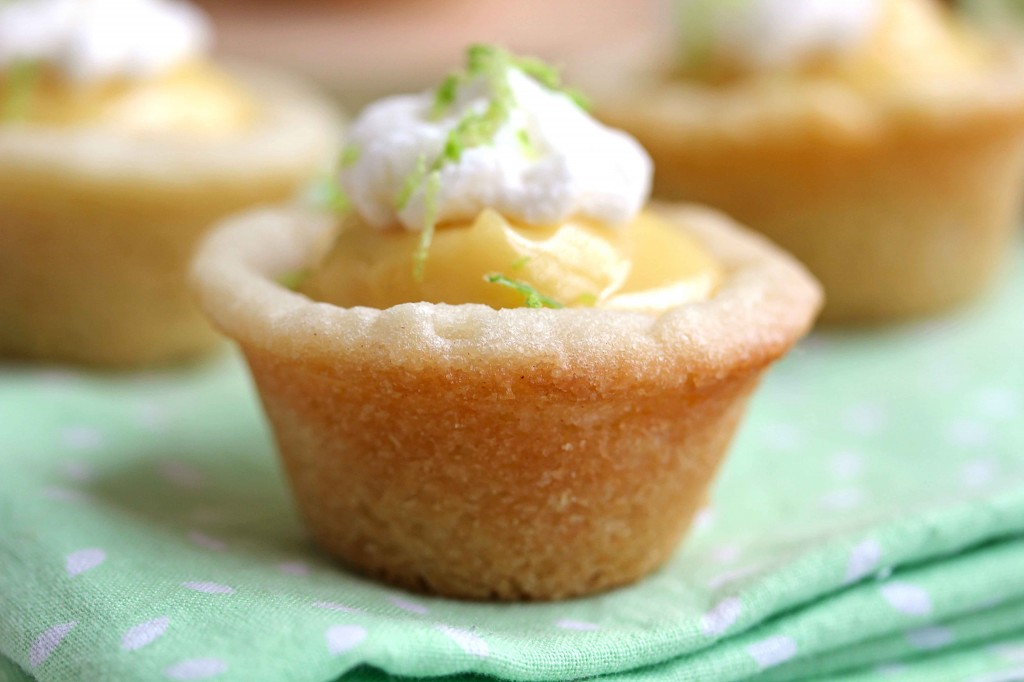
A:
(506, 454)
(97, 228)
(496, 485)
(764, 304)
(900, 201)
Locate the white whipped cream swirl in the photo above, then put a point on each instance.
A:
(549, 162)
(93, 40)
(771, 34)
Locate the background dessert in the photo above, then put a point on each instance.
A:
(121, 143)
(362, 50)
(879, 141)
(537, 451)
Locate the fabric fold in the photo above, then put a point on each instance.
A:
(871, 512)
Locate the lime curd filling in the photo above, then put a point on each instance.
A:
(649, 265)
(135, 66)
(867, 43)
(194, 97)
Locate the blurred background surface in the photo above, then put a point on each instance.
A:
(365, 49)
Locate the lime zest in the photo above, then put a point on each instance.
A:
(325, 192)
(293, 279)
(337, 201)
(540, 71)
(550, 77)
(529, 149)
(23, 77)
(475, 128)
(445, 95)
(587, 299)
(349, 155)
(534, 299)
(480, 58)
(412, 182)
(579, 98)
(520, 262)
(430, 197)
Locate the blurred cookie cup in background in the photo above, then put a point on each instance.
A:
(120, 143)
(879, 141)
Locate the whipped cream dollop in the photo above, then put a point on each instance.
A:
(91, 40)
(548, 162)
(772, 34)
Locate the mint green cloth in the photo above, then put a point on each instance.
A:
(995, 13)
(871, 514)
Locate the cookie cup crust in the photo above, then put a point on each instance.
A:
(900, 201)
(97, 227)
(500, 454)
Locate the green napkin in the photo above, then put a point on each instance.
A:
(869, 524)
(999, 14)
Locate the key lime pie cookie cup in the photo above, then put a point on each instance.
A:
(888, 157)
(107, 182)
(488, 452)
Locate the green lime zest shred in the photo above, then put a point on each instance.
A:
(480, 57)
(475, 128)
(529, 149)
(540, 71)
(520, 263)
(412, 182)
(588, 300)
(22, 79)
(534, 299)
(430, 197)
(325, 192)
(335, 199)
(350, 155)
(293, 279)
(445, 95)
(581, 100)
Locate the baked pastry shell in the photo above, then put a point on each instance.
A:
(97, 226)
(902, 202)
(500, 454)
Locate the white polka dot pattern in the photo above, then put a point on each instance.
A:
(864, 558)
(83, 560)
(470, 642)
(47, 642)
(333, 606)
(577, 625)
(205, 541)
(772, 651)
(720, 618)
(906, 598)
(342, 638)
(151, 509)
(930, 638)
(209, 587)
(196, 669)
(145, 633)
(409, 606)
(83, 438)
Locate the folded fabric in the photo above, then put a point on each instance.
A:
(871, 512)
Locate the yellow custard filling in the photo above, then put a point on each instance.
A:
(913, 40)
(195, 98)
(649, 265)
